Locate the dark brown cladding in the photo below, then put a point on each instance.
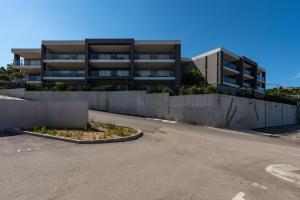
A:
(88, 50)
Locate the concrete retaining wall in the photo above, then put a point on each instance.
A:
(28, 114)
(206, 109)
(19, 92)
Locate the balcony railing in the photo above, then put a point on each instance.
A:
(110, 56)
(64, 73)
(110, 73)
(29, 62)
(246, 85)
(33, 78)
(261, 78)
(247, 72)
(154, 56)
(229, 80)
(261, 89)
(230, 65)
(148, 73)
(64, 56)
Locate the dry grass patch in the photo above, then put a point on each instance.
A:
(94, 131)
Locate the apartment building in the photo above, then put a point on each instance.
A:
(103, 61)
(125, 62)
(224, 68)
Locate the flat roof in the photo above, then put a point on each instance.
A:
(215, 51)
(140, 42)
(224, 50)
(25, 50)
(82, 42)
(63, 42)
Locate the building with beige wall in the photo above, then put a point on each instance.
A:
(222, 67)
(125, 62)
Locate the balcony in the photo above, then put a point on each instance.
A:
(31, 65)
(230, 66)
(260, 89)
(246, 85)
(109, 74)
(33, 78)
(96, 56)
(154, 75)
(261, 78)
(64, 57)
(64, 75)
(154, 56)
(247, 74)
(229, 81)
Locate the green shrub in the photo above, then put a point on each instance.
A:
(210, 89)
(167, 90)
(59, 86)
(193, 77)
(32, 87)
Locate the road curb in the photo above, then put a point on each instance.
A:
(112, 140)
(285, 172)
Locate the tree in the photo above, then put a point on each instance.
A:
(10, 74)
(193, 77)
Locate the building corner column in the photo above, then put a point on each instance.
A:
(177, 65)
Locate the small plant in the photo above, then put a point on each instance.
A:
(59, 86)
(167, 90)
(210, 89)
(32, 87)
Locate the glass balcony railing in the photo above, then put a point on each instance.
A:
(231, 66)
(110, 73)
(33, 78)
(154, 56)
(148, 73)
(27, 62)
(64, 56)
(227, 79)
(246, 85)
(261, 78)
(247, 72)
(261, 89)
(64, 73)
(110, 56)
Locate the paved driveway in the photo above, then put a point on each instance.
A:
(171, 161)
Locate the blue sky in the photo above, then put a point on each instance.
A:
(266, 31)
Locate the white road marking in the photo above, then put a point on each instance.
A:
(19, 150)
(239, 196)
(285, 172)
(163, 120)
(259, 186)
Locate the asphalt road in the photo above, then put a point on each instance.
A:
(171, 161)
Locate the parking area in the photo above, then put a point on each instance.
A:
(171, 161)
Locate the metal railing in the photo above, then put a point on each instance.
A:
(64, 56)
(246, 84)
(64, 73)
(110, 56)
(261, 78)
(11, 84)
(154, 56)
(148, 73)
(261, 89)
(33, 78)
(229, 80)
(110, 73)
(27, 62)
(247, 72)
(231, 66)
